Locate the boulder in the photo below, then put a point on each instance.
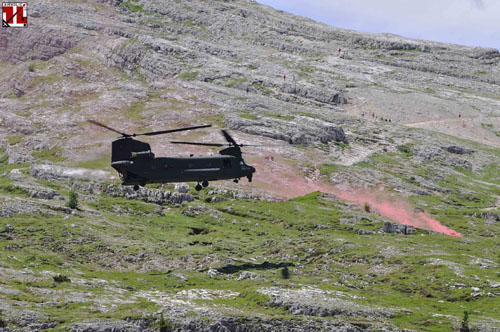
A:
(44, 194)
(483, 53)
(457, 149)
(182, 188)
(397, 228)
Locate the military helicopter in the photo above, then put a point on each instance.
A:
(138, 166)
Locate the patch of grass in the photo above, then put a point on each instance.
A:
(123, 205)
(405, 149)
(45, 80)
(234, 81)
(7, 187)
(83, 62)
(101, 163)
(134, 111)
(132, 7)
(327, 169)
(54, 154)
(244, 114)
(305, 70)
(487, 125)
(189, 23)
(13, 140)
(280, 116)
(265, 90)
(189, 75)
(216, 120)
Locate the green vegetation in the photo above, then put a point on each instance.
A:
(101, 163)
(61, 278)
(45, 80)
(164, 325)
(405, 149)
(13, 140)
(280, 116)
(189, 75)
(249, 229)
(3, 323)
(244, 114)
(73, 200)
(309, 241)
(327, 169)
(54, 154)
(229, 83)
(134, 111)
(265, 90)
(367, 207)
(305, 70)
(83, 62)
(465, 323)
(189, 23)
(132, 7)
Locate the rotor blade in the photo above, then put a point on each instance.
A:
(229, 138)
(171, 130)
(253, 145)
(195, 143)
(108, 128)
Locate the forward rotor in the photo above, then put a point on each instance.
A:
(229, 139)
(153, 133)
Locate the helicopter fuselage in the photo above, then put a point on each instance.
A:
(143, 168)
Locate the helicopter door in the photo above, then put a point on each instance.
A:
(226, 163)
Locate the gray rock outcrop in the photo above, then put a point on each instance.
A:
(397, 228)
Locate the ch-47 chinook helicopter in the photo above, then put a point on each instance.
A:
(138, 166)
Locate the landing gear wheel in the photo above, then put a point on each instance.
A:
(204, 183)
(235, 180)
(136, 187)
(198, 187)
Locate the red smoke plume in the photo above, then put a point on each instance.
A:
(397, 211)
(286, 181)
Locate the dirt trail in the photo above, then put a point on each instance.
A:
(444, 121)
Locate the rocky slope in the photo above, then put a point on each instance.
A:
(372, 118)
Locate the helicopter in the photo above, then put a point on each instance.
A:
(138, 166)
